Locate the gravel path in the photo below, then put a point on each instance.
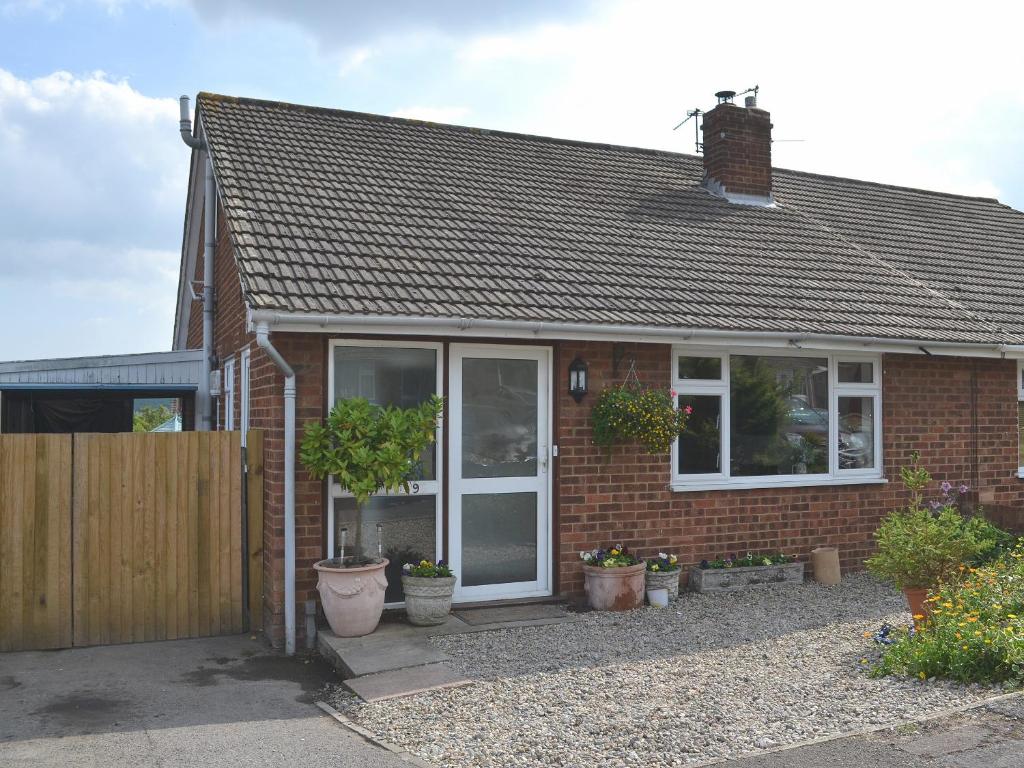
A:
(712, 676)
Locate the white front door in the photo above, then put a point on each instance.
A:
(499, 526)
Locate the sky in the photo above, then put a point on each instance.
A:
(93, 173)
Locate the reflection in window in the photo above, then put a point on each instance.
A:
(779, 415)
(499, 418)
(700, 443)
(855, 373)
(408, 529)
(856, 432)
(396, 376)
(700, 368)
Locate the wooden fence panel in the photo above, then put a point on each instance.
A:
(254, 527)
(157, 531)
(35, 542)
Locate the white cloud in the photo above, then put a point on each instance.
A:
(889, 92)
(354, 60)
(90, 213)
(433, 114)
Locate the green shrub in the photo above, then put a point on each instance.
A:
(975, 632)
(922, 545)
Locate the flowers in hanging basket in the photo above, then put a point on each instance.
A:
(662, 563)
(426, 569)
(630, 412)
(612, 557)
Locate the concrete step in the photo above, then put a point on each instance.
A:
(405, 682)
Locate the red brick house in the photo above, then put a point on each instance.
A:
(359, 255)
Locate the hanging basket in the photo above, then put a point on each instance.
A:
(631, 413)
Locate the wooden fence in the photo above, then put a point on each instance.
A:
(128, 537)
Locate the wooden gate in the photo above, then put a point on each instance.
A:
(143, 537)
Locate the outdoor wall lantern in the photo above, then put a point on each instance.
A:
(577, 379)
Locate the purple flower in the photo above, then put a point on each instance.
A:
(964, 488)
(936, 504)
(946, 486)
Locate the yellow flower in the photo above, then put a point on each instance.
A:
(615, 552)
(972, 618)
(977, 634)
(918, 616)
(922, 675)
(655, 567)
(964, 647)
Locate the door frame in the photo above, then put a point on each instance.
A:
(457, 351)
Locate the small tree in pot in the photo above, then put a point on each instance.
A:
(367, 449)
(924, 545)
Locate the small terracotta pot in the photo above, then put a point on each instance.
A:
(614, 589)
(353, 598)
(916, 601)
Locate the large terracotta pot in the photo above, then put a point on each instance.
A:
(428, 600)
(916, 601)
(353, 598)
(665, 580)
(614, 589)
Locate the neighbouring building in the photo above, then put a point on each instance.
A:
(821, 328)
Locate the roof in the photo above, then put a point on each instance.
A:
(337, 212)
(150, 371)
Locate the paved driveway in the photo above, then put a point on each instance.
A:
(213, 702)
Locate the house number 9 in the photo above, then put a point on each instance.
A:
(414, 488)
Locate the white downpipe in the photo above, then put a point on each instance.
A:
(263, 341)
(204, 404)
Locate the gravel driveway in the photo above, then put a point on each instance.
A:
(712, 676)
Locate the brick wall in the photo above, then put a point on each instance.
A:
(926, 406)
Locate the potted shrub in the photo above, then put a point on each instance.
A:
(924, 545)
(729, 574)
(663, 573)
(428, 591)
(613, 579)
(367, 449)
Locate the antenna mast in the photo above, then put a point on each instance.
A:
(693, 113)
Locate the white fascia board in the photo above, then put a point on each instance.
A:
(533, 330)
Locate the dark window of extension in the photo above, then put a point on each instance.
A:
(55, 411)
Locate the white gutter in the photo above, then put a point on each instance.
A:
(263, 341)
(204, 406)
(300, 322)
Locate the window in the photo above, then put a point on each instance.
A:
(1020, 418)
(786, 418)
(243, 378)
(402, 374)
(229, 394)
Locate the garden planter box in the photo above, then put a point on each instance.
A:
(731, 579)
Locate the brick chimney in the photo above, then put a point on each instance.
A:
(738, 151)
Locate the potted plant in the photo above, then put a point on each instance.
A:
(923, 545)
(631, 413)
(613, 579)
(663, 573)
(428, 591)
(367, 449)
(728, 574)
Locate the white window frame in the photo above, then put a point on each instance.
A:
(1020, 397)
(720, 388)
(229, 394)
(243, 383)
(421, 488)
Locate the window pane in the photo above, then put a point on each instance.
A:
(700, 368)
(856, 373)
(779, 415)
(407, 535)
(388, 376)
(700, 444)
(499, 538)
(499, 417)
(856, 432)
